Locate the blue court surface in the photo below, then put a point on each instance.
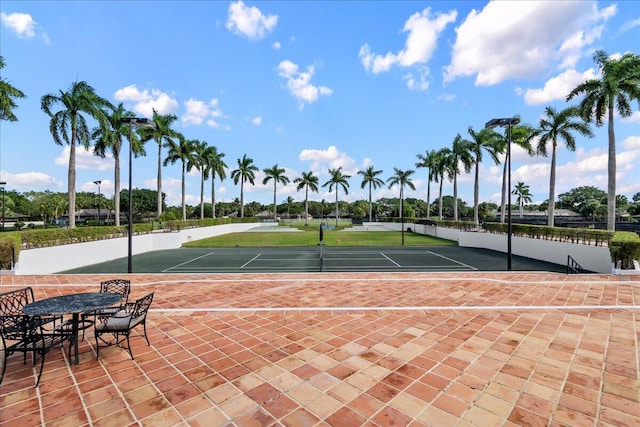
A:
(320, 259)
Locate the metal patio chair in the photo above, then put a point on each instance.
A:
(121, 323)
(25, 334)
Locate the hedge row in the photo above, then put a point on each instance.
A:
(9, 249)
(585, 236)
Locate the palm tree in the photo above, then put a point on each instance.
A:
(109, 137)
(337, 179)
(7, 93)
(199, 161)
(558, 125)
(524, 196)
(370, 178)
(428, 161)
(246, 172)
(289, 202)
(308, 181)
(163, 134)
(461, 150)
(442, 166)
(80, 98)
(180, 151)
(488, 140)
(617, 87)
(519, 136)
(278, 176)
(214, 166)
(402, 179)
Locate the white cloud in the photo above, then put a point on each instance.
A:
(276, 45)
(629, 25)
(257, 121)
(23, 25)
(29, 180)
(631, 143)
(249, 21)
(146, 102)
(20, 23)
(633, 118)
(106, 187)
(419, 83)
(299, 83)
(331, 158)
(558, 87)
(447, 97)
(423, 31)
(499, 42)
(199, 111)
(84, 159)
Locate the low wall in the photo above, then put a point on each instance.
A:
(65, 257)
(592, 258)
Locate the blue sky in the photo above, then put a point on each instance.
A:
(315, 85)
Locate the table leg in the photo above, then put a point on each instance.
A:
(74, 335)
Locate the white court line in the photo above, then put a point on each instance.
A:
(391, 308)
(397, 265)
(186, 262)
(250, 261)
(453, 260)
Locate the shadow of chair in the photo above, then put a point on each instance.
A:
(121, 323)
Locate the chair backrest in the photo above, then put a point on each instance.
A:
(12, 302)
(142, 306)
(117, 286)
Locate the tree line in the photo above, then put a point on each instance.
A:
(617, 86)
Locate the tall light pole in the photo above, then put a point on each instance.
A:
(2, 184)
(143, 122)
(98, 182)
(508, 122)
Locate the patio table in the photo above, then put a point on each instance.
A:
(73, 304)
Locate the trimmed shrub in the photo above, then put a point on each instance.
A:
(9, 249)
(624, 248)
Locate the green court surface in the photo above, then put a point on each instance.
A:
(317, 259)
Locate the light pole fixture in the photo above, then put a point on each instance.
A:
(2, 184)
(141, 122)
(508, 123)
(98, 182)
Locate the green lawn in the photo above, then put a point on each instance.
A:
(309, 236)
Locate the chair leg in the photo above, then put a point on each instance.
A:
(144, 325)
(4, 364)
(41, 368)
(129, 346)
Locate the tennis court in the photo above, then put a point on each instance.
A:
(320, 259)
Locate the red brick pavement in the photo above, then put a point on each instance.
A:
(349, 349)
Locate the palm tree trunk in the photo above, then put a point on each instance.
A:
(306, 205)
(370, 207)
(552, 188)
(611, 184)
(440, 204)
(71, 186)
(275, 213)
(201, 194)
(429, 194)
(213, 196)
(476, 190)
(455, 197)
(336, 206)
(159, 185)
(184, 205)
(241, 198)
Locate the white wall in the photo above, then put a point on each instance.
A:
(592, 258)
(65, 257)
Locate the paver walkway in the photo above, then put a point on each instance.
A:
(349, 349)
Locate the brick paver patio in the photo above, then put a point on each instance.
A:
(348, 349)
